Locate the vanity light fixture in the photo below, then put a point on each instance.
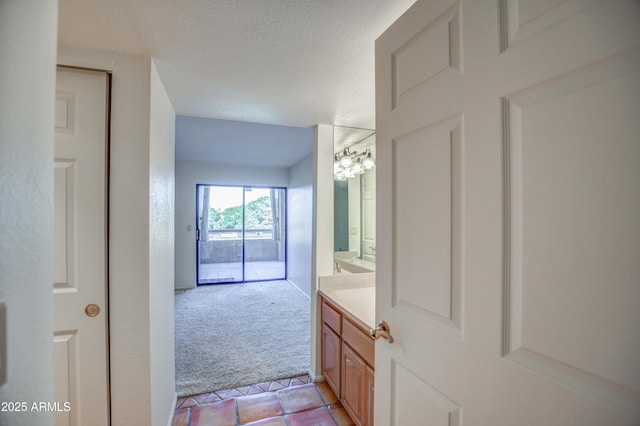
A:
(357, 167)
(368, 163)
(348, 164)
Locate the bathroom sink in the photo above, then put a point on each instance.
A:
(355, 266)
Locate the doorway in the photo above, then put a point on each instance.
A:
(240, 234)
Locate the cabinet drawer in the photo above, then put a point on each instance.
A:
(360, 341)
(331, 317)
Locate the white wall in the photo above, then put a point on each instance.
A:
(131, 251)
(355, 218)
(300, 224)
(28, 33)
(322, 255)
(187, 176)
(161, 251)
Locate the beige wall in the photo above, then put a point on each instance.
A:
(27, 86)
(299, 224)
(161, 251)
(136, 161)
(322, 251)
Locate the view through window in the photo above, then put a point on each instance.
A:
(241, 233)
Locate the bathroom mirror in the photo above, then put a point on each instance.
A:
(354, 193)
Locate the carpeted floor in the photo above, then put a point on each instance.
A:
(239, 334)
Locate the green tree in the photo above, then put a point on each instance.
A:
(257, 216)
(214, 218)
(231, 218)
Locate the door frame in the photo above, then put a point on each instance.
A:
(107, 225)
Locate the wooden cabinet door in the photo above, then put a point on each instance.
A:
(353, 384)
(331, 358)
(369, 394)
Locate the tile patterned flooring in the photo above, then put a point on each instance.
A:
(287, 402)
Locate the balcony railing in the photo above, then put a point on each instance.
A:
(227, 246)
(229, 234)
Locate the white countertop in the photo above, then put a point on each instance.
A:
(356, 265)
(355, 293)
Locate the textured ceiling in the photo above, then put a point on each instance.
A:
(234, 143)
(283, 62)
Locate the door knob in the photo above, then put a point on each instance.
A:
(92, 310)
(383, 331)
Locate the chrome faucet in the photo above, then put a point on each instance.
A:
(338, 267)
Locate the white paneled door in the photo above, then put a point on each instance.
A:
(508, 179)
(80, 252)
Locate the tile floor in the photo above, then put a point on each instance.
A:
(286, 402)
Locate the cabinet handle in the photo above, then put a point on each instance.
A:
(383, 331)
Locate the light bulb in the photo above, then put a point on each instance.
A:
(346, 161)
(368, 162)
(357, 167)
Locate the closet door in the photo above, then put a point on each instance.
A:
(80, 249)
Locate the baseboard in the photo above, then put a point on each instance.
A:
(298, 288)
(315, 377)
(173, 409)
(184, 287)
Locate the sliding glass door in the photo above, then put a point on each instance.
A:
(241, 233)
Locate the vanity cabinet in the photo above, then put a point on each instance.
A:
(348, 362)
(368, 379)
(331, 362)
(354, 397)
